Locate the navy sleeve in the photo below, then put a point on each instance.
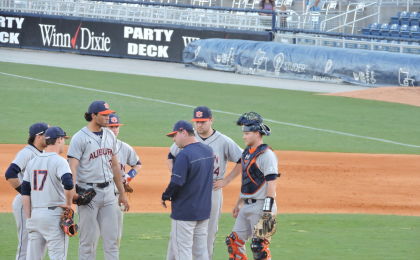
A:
(271, 177)
(171, 191)
(12, 172)
(171, 156)
(26, 188)
(180, 169)
(67, 181)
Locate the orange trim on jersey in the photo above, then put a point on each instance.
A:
(106, 112)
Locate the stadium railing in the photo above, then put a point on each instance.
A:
(149, 12)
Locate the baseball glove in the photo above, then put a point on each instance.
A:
(266, 226)
(85, 196)
(66, 223)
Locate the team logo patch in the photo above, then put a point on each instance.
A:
(106, 105)
(114, 120)
(198, 114)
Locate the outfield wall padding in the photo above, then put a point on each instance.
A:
(108, 38)
(362, 67)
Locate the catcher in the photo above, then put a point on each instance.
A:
(256, 207)
(126, 156)
(47, 193)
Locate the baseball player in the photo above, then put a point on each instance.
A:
(47, 187)
(190, 193)
(225, 149)
(14, 175)
(94, 164)
(126, 156)
(258, 190)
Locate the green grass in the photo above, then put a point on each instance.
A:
(308, 237)
(24, 102)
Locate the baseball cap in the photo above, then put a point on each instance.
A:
(179, 126)
(55, 132)
(201, 113)
(100, 107)
(114, 120)
(37, 129)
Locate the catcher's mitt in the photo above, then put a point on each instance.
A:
(85, 196)
(266, 226)
(66, 223)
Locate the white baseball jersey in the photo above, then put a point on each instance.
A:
(23, 157)
(94, 154)
(224, 149)
(267, 164)
(44, 172)
(126, 155)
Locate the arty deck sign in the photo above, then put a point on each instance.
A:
(148, 42)
(13, 25)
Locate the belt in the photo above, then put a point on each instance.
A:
(52, 208)
(250, 201)
(99, 185)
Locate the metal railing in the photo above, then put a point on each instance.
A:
(354, 14)
(149, 12)
(349, 41)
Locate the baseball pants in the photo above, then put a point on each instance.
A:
(216, 208)
(188, 240)
(248, 217)
(100, 218)
(22, 233)
(44, 232)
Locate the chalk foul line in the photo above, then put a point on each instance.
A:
(214, 110)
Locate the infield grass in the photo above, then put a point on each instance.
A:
(299, 237)
(25, 101)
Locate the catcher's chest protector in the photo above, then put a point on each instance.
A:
(252, 177)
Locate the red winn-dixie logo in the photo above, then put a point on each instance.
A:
(88, 39)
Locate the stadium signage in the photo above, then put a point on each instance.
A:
(163, 42)
(10, 23)
(154, 35)
(88, 40)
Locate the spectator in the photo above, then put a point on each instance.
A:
(268, 5)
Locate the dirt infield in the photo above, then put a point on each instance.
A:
(403, 95)
(311, 182)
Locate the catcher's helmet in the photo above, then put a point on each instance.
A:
(253, 122)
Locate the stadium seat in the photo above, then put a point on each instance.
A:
(375, 29)
(415, 32)
(405, 31)
(384, 30)
(415, 18)
(404, 18)
(394, 30)
(396, 19)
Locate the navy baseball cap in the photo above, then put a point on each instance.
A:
(179, 126)
(201, 113)
(100, 107)
(55, 132)
(37, 129)
(114, 120)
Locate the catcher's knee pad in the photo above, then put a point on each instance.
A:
(260, 249)
(234, 243)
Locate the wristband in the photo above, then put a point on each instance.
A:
(268, 204)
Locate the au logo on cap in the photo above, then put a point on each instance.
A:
(114, 120)
(106, 105)
(198, 114)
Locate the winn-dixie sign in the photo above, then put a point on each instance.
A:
(92, 37)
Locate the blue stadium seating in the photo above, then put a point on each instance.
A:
(415, 18)
(415, 31)
(394, 30)
(405, 31)
(384, 30)
(404, 18)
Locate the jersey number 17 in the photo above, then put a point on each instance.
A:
(39, 179)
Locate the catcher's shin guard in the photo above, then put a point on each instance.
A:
(234, 243)
(260, 249)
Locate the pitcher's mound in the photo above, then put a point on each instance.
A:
(403, 95)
